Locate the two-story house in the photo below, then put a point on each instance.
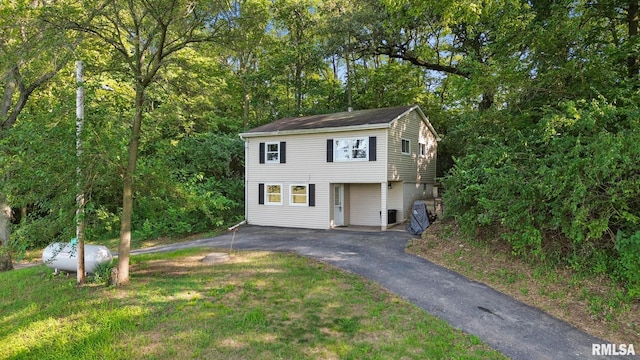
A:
(363, 167)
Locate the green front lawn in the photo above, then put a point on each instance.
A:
(257, 306)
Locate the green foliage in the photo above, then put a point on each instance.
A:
(102, 273)
(204, 192)
(561, 190)
(628, 263)
(38, 158)
(389, 84)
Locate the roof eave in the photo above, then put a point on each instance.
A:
(315, 131)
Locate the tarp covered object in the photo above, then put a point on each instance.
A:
(419, 218)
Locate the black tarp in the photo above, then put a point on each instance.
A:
(419, 218)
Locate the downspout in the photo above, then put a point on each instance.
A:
(246, 183)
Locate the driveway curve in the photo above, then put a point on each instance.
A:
(513, 328)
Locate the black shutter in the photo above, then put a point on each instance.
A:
(372, 148)
(312, 194)
(329, 150)
(283, 152)
(261, 194)
(262, 153)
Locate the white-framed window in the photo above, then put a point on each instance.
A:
(423, 149)
(406, 146)
(273, 194)
(351, 149)
(272, 152)
(299, 195)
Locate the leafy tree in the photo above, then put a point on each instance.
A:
(248, 39)
(461, 39)
(32, 52)
(146, 35)
(298, 51)
(552, 167)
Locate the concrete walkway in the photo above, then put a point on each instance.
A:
(515, 329)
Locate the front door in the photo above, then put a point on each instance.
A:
(338, 205)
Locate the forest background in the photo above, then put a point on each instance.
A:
(536, 103)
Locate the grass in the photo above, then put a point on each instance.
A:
(258, 305)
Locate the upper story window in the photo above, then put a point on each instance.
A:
(351, 149)
(423, 149)
(406, 146)
(273, 152)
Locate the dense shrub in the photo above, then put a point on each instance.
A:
(186, 186)
(190, 186)
(564, 190)
(627, 267)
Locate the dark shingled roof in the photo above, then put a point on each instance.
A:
(341, 119)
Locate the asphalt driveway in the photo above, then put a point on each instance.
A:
(515, 329)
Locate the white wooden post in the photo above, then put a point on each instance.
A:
(80, 191)
(383, 205)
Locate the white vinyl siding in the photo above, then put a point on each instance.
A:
(411, 167)
(307, 164)
(288, 215)
(366, 188)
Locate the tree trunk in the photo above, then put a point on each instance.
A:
(127, 191)
(5, 231)
(633, 64)
(9, 89)
(349, 81)
(245, 105)
(298, 84)
(487, 101)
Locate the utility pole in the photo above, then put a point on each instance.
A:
(79, 186)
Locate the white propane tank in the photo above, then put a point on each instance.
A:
(64, 256)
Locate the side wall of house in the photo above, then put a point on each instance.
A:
(412, 166)
(306, 163)
(395, 200)
(413, 192)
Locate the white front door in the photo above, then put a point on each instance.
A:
(338, 205)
